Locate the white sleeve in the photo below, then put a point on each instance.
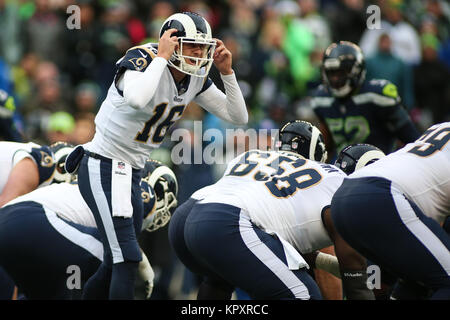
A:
(230, 106)
(139, 87)
(20, 155)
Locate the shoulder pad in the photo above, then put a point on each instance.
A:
(321, 98)
(379, 92)
(137, 58)
(383, 87)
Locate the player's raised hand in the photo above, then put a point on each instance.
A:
(167, 44)
(222, 58)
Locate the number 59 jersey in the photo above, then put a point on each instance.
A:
(281, 193)
(421, 170)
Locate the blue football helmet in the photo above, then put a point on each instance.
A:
(356, 156)
(302, 138)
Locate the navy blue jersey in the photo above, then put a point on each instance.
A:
(45, 163)
(373, 115)
(8, 130)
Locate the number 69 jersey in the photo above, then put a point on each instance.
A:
(281, 192)
(421, 170)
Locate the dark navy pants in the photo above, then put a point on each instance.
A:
(118, 234)
(376, 219)
(221, 243)
(41, 251)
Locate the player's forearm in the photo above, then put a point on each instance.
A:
(140, 87)
(230, 107)
(23, 178)
(353, 273)
(408, 133)
(328, 279)
(235, 103)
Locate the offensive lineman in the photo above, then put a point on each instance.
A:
(391, 211)
(56, 221)
(27, 166)
(153, 85)
(247, 229)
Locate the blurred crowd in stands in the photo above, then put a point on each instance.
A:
(60, 76)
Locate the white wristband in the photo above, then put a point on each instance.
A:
(328, 263)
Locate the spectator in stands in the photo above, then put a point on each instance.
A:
(384, 65)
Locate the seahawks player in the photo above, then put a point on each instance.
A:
(8, 130)
(152, 87)
(392, 211)
(27, 166)
(353, 109)
(56, 221)
(248, 229)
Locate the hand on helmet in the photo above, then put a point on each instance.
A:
(223, 58)
(167, 44)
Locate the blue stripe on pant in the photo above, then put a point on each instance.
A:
(119, 234)
(36, 249)
(377, 220)
(224, 241)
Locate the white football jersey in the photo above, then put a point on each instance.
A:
(67, 202)
(129, 134)
(281, 192)
(421, 170)
(64, 199)
(12, 152)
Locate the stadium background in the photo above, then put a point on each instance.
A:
(60, 76)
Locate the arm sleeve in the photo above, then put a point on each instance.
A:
(229, 106)
(408, 133)
(392, 112)
(399, 123)
(139, 87)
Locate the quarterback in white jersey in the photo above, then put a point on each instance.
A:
(250, 227)
(392, 211)
(27, 166)
(150, 91)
